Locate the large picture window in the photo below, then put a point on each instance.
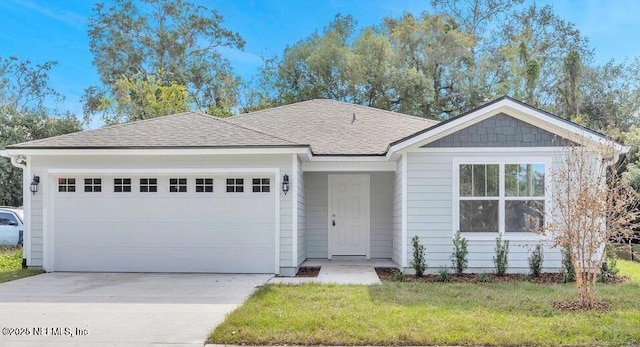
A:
(501, 198)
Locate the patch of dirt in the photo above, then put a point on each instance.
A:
(308, 272)
(575, 306)
(387, 274)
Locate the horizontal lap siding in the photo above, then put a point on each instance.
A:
(429, 205)
(381, 214)
(316, 220)
(282, 162)
(397, 242)
(430, 200)
(301, 210)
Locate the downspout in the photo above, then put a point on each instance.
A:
(20, 161)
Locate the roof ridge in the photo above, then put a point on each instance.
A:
(245, 128)
(293, 104)
(394, 113)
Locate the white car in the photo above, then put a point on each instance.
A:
(11, 226)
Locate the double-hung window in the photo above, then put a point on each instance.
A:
(501, 197)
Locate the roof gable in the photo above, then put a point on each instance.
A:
(500, 130)
(184, 130)
(516, 109)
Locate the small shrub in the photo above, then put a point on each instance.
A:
(419, 263)
(443, 274)
(609, 268)
(568, 272)
(501, 260)
(399, 276)
(535, 261)
(483, 278)
(460, 252)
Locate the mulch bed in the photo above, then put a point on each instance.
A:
(387, 274)
(574, 306)
(308, 272)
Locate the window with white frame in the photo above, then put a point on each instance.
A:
(67, 185)
(501, 198)
(122, 185)
(261, 185)
(235, 185)
(148, 185)
(92, 185)
(204, 185)
(177, 185)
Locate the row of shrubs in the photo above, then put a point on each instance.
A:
(460, 262)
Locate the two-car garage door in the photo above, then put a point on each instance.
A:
(172, 223)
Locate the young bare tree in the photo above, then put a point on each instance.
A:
(593, 208)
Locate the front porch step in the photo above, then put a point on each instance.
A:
(348, 274)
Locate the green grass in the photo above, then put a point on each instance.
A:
(517, 313)
(11, 265)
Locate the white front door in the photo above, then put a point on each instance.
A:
(349, 206)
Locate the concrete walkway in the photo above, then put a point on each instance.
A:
(339, 272)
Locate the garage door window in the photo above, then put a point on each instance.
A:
(261, 185)
(67, 185)
(178, 185)
(148, 185)
(204, 185)
(235, 185)
(122, 185)
(92, 185)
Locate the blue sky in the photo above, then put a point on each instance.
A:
(43, 30)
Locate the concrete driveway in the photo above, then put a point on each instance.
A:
(108, 309)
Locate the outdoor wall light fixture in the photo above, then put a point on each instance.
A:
(285, 184)
(34, 184)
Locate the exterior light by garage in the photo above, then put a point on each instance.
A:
(285, 184)
(34, 184)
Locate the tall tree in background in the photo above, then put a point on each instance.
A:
(178, 38)
(571, 95)
(28, 111)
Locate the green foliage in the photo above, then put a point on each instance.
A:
(443, 274)
(536, 259)
(399, 276)
(137, 39)
(24, 116)
(501, 259)
(460, 252)
(419, 262)
(483, 278)
(142, 97)
(609, 268)
(568, 271)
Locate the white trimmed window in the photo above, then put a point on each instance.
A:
(122, 185)
(204, 185)
(261, 185)
(177, 185)
(235, 185)
(92, 185)
(148, 185)
(506, 197)
(67, 185)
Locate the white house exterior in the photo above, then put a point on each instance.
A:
(191, 193)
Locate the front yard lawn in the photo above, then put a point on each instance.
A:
(11, 265)
(513, 313)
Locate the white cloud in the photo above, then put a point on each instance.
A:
(67, 17)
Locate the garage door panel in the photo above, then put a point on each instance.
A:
(172, 259)
(142, 234)
(165, 232)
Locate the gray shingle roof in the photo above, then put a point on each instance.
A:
(327, 126)
(182, 130)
